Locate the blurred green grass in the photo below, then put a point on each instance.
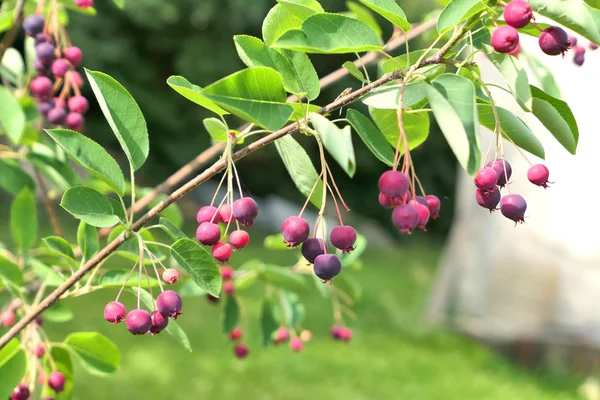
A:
(393, 355)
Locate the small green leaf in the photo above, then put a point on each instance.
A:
(59, 245)
(171, 229)
(13, 366)
(338, 142)
(119, 3)
(123, 115)
(371, 136)
(10, 271)
(302, 8)
(193, 93)
(91, 156)
(416, 126)
(87, 239)
(457, 11)
(291, 309)
(350, 286)
(574, 14)
(514, 74)
(297, 66)
(268, 324)
(50, 277)
(13, 179)
(216, 129)
(12, 67)
(389, 10)
(117, 277)
(99, 355)
(363, 14)
(201, 266)
(388, 97)
(12, 117)
(354, 71)
(278, 21)
(23, 219)
(275, 242)
(557, 117)
(542, 73)
(90, 206)
(283, 278)
(58, 313)
(231, 314)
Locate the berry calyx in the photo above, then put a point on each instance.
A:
(343, 238)
(393, 183)
(296, 344)
(434, 204)
(295, 230)
(405, 218)
(226, 273)
(486, 179)
(503, 170)
(78, 104)
(513, 207)
(554, 41)
(170, 276)
(235, 334)
(239, 239)
(311, 248)
(228, 288)
(114, 312)
(245, 210)
(41, 87)
(56, 381)
(226, 213)
(489, 199)
(505, 39)
(159, 322)
(7, 318)
(241, 350)
(138, 321)
(208, 233)
(169, 303)
(222, 251)
(327, 266)
(518, 13)
(538, 174)
(21, 392)
(208, 214)
(33, 24)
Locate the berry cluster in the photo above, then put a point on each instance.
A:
(579, 51)
(57, 84)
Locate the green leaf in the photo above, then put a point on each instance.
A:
(302, 8)
(457, 11)
(12, 67)
(416, 126)
(123, 115)
(330, 34)
(300, 167)
(87, 239)
(23, 219)
(50, 277)
(363, 14)
(119, 3)
(354, 71)
(13, 366)
(61, 362)
(117, 277)
(291, 308)
(338, 142)
(514, 74)
(389, 10)
(10, 271)
(283, 278)
(557, 117)
(254, 94)
(171, 229)
(13, 179)
(350, 286)
(216, 129)
(91, 156)
(99, 355)
(574, 14)
(388, 97)
(268, 324)
(12, 117)
(201, 266)
(231, 314)
(278, 21)
(275, 242)
(6, 21)
(58, 313)
(371, 136)
(59, 245)
(542, 73)
(404, 61)
(90, 206)
(193, 93)
(512, 127)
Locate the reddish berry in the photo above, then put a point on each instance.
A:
(241, 350)
(84, 4)
(74, 77)
(45, 106)
(593, 46)
(554, 41)
(311, 248)
(538, 174)
(170, 275)
(41, 87)
(336, 332)
(503, 170)
(405, 218)
(226, 273)
(7, 318)
(518, 13)
(228, 288)
(296, 344)
(505, 39)
(114, 312)
(346, 334)
(281, 335)
(208, 233)
(138, 321)
(226, 213)
(327, 266)
(295, 231)
(578, 49)
(486, 179)
(343, 237)
(60, 66)
(239, 239)
(222, 251)
(21, 392)
(579, 59)
(40, 67)
(489, 199)
(515, 52)
(385, 201)
(235, 334)
(245, 210)
(78, 104)
(211, 298)
(169, 303)
(57, 116)
(159, 322)
(56, 381)
(60, 103)
(208, 214)
(434, 204)
(573, 41)
(423, 212)
(33, 24)
(393, 183)
(39, 350)
(513, 207)
(74, 121)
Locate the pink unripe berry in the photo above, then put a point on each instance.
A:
(405, 218)
(228, 288)
(239, 239)
(538, 174)
(311, 248)
(296, 344)
(84, 4)
(434, 204)
(208, 233)
(74, 121)
(489, 199)
(169, 303)
(170, 276)
(295, 230)
(138, 322)
(78, 104)
(579, 59)
(486, 179)
(235, 334)
(423, 212)
(114, 312)
(393, 183)
(327, 266)
(208, 214)
(503, 170)
(21, 392)
(60, 66)
(56, 381)
(245, 210)
(554, 41)
(505, 39)
(518, 13)
(39, 350)
(241, 350)
(222, 251)
(343, 237)
(74, 78)
(346, 334)
(513, 207)
(515, 52)
(7, 318)
(336, 332)
(281, 335)
(226, 273)
(226, 213)
(41, 87)
(159, 322)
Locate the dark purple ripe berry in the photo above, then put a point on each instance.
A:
(74, 121)
(327, 266)
(56, 381)
(486, 179)
(393, 183)
(239, 239)
(159, 322)
(138, 321)
(114, 312)
(343, 238)
(295, 230)
(168, 303)
(513, 207)
(434, 205)
(503, 170)
(489, 199)
(405, 218)
(573, 41)
(40, 67)
(57, 116)
(33, 24)
(60, 66)
(505, 39)
(245, 210)
(73, 54)
(554, 41)
(43, 38)
(311, 248)
(45, 106)
(538, 174)
(208, 214)
(241, 350)
(21, 392)
(423, 212)
(41, 87)
(45, 52)
(78, 104)
(579, 59)
(518, 13)
(208, 233)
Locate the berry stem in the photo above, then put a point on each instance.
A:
(126, 280)
(337, 208)
(310, 194)
(131, 214)
(155, 269)
(212, 202)
(336, 189)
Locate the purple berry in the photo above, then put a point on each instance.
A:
(45, 106)
(78, 104)
(518, 13)
(74, 121)
(169, 303)
(239, 239)
(56, 116)
(554, 41)
(573, 41)
(245, 210)
(505, 39)
(434, 204)
(56, 381)
(208, 233)
(593, 46)
(73, 54)
(486, 179)
(405, 218)
(538, 174)
(45, 52)
(222, 251)
(159, 322)
(21, 392)
(241, 350)
(393, 183)
(488, 199)
(208, 214)
(295, 231)
(343, 237)
(33, 24)
(423, 212)
(170, 276)
(43, 38)
(579, 59)
(138, 321)
(311, 248)
(40, 67)
(327, 266)
(503, 170)
(513, 207)
(41, 87)
(114, 312)
(60, 66)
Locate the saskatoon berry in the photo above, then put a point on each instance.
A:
(343, 238)
(226, 213)
(41, 87)
(114, 312)
(57, 116)
(296, 344)
(393, 183)
(208, 233)
(405, 218)
(78, 104)
(486, 179)
(7, 318)
(336, 332)
(241, 350)
(593, 46)
(554, 41)
(239, 239)
(235, 334)
(222, 251)
(228, 288)
(513, 207)
(40, 67)
(434, 205)
(503, 170)
(84, 4)
(386, 201)
(138, 321)
(56, 381)
(208, 214)
(281, 335)
(577, 49)
(306, 336)
(74, 121)
(39, 350)
(43, 38)
(45, 52)
(169, 303)
(311, 248)
(573, 41)
(211, 298)
(45, 106)
(418, 200)
(159, 322)
(21, 392)
(538, 174)
(327, 266)
(505, 39)
(73, 54)
(245, 210)
(74, 78)
(226, 273)
(489, 199)
(579, 59)
(170, 275)
(60, 66)
(518, 13)
(423, 212)
(346, 334)
(295, 231)
(515, 52)
(33, 24)
(60, 103)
